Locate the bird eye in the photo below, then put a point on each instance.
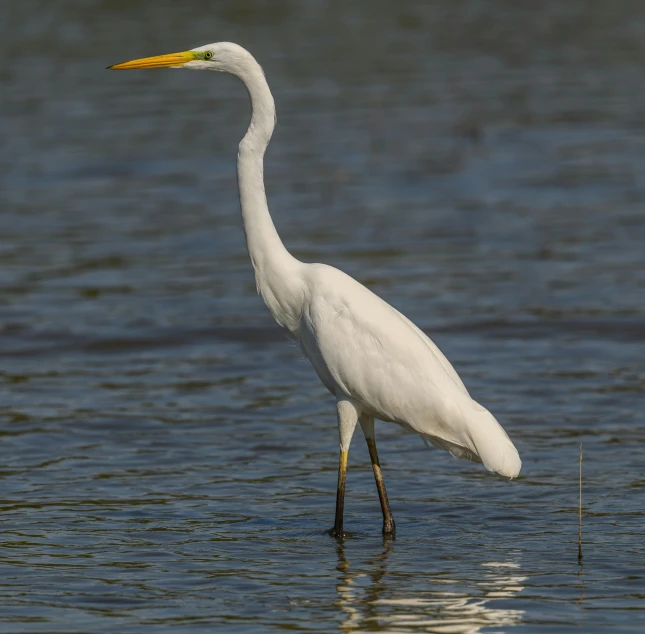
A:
(208, 55)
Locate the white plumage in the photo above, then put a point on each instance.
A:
(365, 350)
(373, 359)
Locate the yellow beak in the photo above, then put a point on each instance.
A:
(172, 60)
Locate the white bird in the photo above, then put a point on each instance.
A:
(374, 361)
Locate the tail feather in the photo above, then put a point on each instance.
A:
(455, 450)
(493, 445)
(485, 442)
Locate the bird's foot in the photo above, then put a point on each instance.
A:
(337, 533)
(389, 529)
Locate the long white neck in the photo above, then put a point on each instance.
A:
(277, 273)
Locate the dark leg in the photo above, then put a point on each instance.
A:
(389, 529)
(340, 493)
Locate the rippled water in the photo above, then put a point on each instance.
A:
(169, 459)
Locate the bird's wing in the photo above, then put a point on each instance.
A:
(369, 351)
(447, 366)
(366, 350)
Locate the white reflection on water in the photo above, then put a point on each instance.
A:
(445, 612)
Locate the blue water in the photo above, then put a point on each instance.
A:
(169, 458)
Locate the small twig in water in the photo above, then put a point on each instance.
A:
(580, 512)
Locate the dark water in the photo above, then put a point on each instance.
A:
(169, 460)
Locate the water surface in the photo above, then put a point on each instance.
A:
(168, 457)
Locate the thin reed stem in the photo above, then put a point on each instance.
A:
(580, 511)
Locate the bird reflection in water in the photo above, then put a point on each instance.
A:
(364, 608)
(367, 602)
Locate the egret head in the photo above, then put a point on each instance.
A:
(224, 57)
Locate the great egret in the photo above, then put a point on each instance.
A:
(375, 362)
